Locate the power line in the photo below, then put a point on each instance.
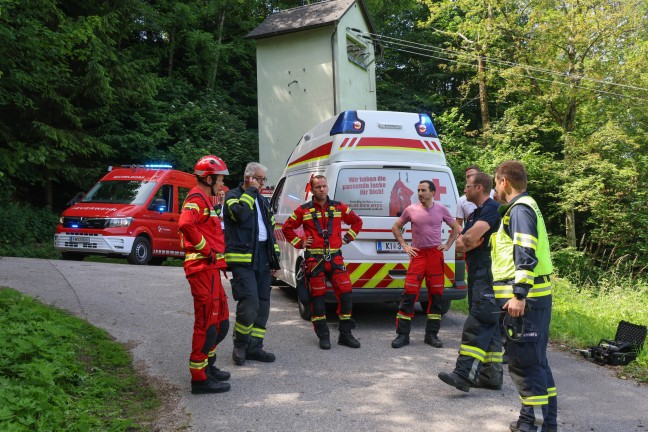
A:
(389, 42)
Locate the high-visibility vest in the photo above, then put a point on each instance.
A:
(502, 256)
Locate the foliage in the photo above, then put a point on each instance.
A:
(84, 381)
(27, 231)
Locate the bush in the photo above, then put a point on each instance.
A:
(575, 266)
(27, 231)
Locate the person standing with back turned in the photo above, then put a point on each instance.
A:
(426, 262)
(322, 220)
(201, 237)
(522, 273)
(252, 254)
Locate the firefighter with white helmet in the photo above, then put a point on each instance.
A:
(204, 245)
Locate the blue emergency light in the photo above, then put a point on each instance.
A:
(424, 127)
(348, 122)
(159, 166)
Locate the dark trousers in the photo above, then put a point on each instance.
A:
(251, 289)
(531, 373)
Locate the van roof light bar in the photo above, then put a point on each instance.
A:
(349, 123)
(424, 127)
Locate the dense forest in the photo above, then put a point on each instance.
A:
(562, 86)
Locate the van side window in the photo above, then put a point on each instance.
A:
(295, 192)
(163, 199)
(276, 196)
(182, 195)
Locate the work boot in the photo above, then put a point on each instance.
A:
(433, 339)
(210, 385)
(482, 383)
(217, 374)
(261, 356)
(515, 427)
(347, 339)
(455, 380)
(401, 340)
(325, 343)
(238, 355)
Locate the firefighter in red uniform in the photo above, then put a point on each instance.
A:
(322, 220)
(202, 239)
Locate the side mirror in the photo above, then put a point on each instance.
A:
(158, 205)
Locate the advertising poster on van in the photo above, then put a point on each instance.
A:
(387, 192)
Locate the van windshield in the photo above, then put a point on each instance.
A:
(388, 191)
(120, 192)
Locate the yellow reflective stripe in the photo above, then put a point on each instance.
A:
(307, 216)
(212, 213)
(201, 244)
(524, 276)
(493, 357)
(345, 317)
(317, 318)
(212, 353)
(191, 206)
(321, 251)
(525, 240)
(247, 199)
(295, 241)
(258, 332)
(243, 329)
(199, 256)
(235, 257)
(535, 400)
(348, 210)
(293, 216)
(472, 351)
(337, 214)
(198, 365)
(503, 291)
(551, 392)
(352, 233)
(433, 316)
(401, 316)
(540, 292)
(206, 212)
(231, 201)
(276, 248)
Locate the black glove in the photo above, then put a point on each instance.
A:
(347, 239)
(211, 258)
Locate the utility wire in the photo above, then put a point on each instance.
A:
(387, 41)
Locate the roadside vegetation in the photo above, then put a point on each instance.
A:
(57, 372)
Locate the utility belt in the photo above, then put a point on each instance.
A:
(321, 258)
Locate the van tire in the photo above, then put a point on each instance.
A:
(445, 306)
(72, 256)
(141, 252)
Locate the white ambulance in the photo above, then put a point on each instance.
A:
(373, 161)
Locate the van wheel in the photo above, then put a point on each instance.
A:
(304, 309)
(445, 306)
(72, 256)
(141, 252)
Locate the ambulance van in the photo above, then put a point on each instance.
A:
(132, 212)
(373, 161)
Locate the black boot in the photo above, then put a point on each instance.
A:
(458, 382)
(403, 327)
(238, 355)
(433, 339)
(346, 338)
(515, 427)
(491, 376)
(241, 343)
(214, 372)
(322, 332)
(210, 385)
(255, 351)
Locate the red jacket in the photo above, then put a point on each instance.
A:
(308, 213)
(200, 233)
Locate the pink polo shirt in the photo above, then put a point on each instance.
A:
(426, 223)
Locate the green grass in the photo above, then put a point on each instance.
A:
(58, 372)
(582, 316)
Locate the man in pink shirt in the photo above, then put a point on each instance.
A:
(426, 261)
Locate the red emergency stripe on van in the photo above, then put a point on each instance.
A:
(391, 143)
(320, 152)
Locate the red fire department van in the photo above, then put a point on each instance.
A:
(131, 212)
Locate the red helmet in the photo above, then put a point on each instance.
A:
(210, 165)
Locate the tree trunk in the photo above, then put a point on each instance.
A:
(172, 41)
(570, 229)
(219, 38)
(483, 92)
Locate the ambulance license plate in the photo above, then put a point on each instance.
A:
(389, 247)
